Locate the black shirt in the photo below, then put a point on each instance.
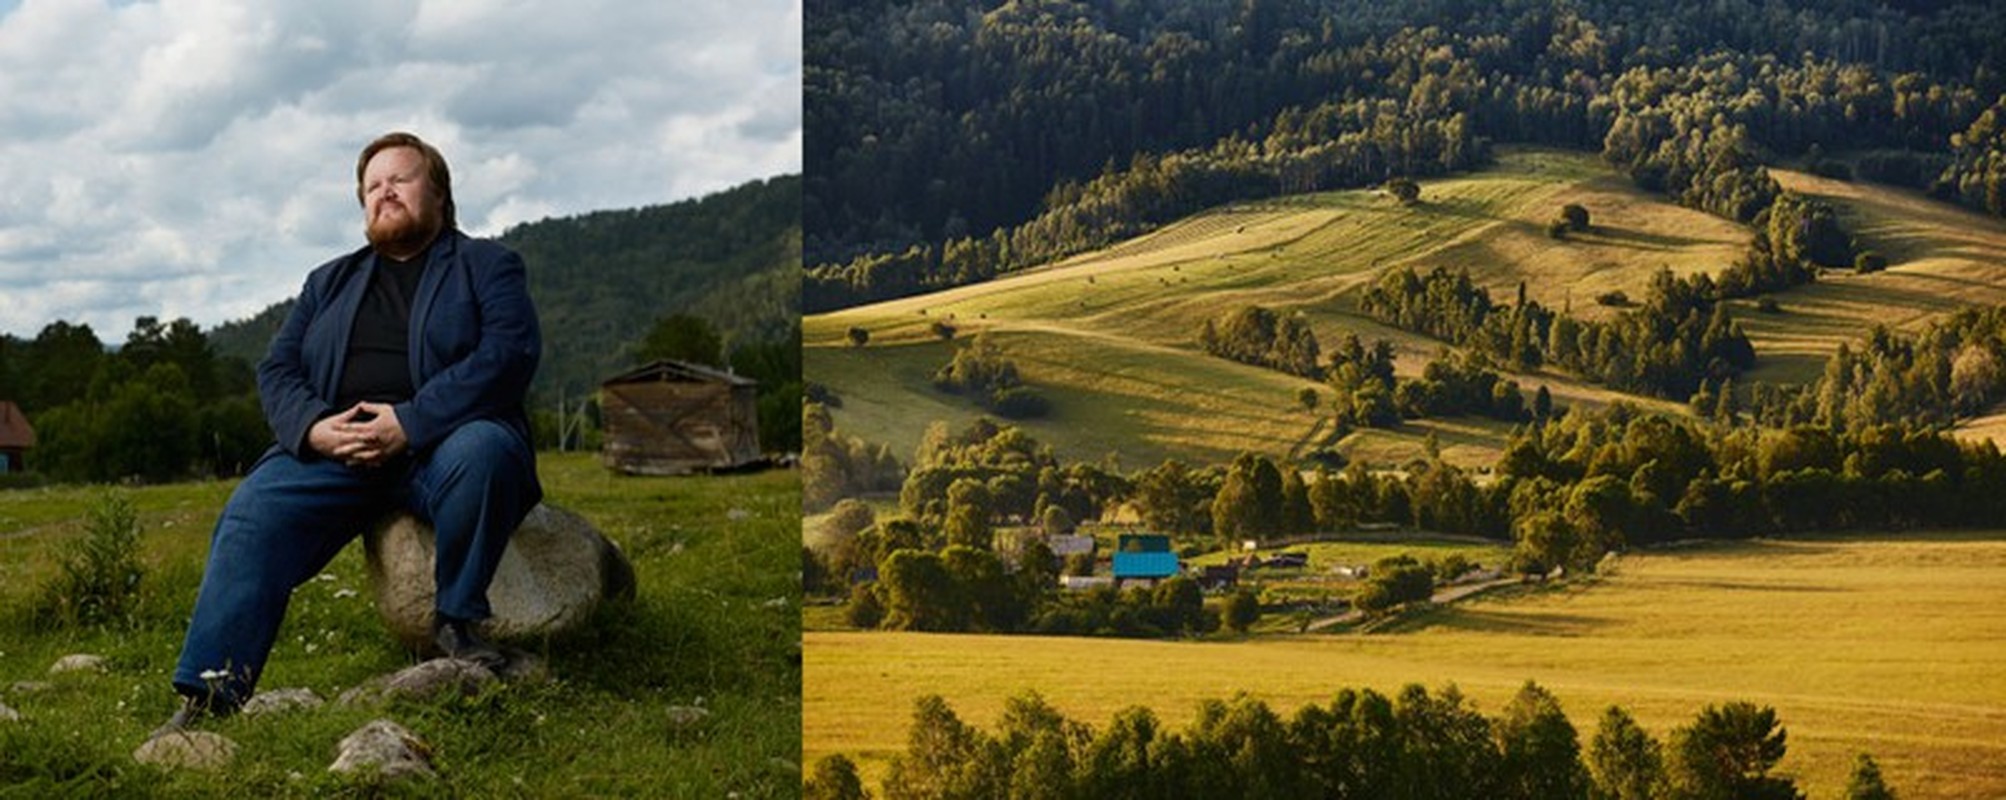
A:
(379, 348)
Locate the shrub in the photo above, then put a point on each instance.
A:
(1869, 261)
(1557, 229)
(859, 336)
(1020, 402)
(1768, 305)
(1243, 609)
(835, 778)
(1836, 170)
(1451, 567)
(1615, 298)
(943, 330)
(1405, 189)
(1866, 782)
(1575, 216)
(1393, 581)
(865, 611)
(99, 575)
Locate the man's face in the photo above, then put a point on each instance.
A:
(400, 206)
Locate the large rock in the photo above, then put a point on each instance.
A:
(556, 571)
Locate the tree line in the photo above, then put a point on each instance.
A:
(1679, 336)
(1566, 492)
(1454, 383)
(1950, 371)
(1362, 744)
(162, 407)
(166, 405)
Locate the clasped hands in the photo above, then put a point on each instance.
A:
(366, 435)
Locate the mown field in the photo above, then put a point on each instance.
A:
(1941, 259)
(1886, 646)
(716, 626)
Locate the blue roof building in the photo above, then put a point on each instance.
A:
(1144, 557)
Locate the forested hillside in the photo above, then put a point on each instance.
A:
(950, 141)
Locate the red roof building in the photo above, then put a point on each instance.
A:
(16, 437)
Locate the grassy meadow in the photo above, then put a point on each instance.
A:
(1886, 646)
(716, 626)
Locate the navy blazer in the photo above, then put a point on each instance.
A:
(474, 345)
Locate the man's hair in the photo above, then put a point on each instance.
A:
(435, 169)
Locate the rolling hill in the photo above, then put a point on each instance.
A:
(1110, 336)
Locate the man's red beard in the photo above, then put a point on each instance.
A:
(402, 232)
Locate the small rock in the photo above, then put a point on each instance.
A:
(737, 514)
(686, 717)
(187, 750)
(8, 714)
(79, 662)
(386, 749)
(29, 687)
(436, 678)
(278, 700)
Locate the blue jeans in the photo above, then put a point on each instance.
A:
(290, 517)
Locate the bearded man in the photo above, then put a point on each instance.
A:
(397, 383)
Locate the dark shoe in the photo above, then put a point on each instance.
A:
(456, 639)
(191, 711)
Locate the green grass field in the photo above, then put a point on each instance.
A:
(1862, 645)
(716, 625)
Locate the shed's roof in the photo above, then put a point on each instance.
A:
(15, 432)
(670, 370)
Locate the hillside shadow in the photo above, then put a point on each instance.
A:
(1464, 620)
(1752, 586)
(1639, 240)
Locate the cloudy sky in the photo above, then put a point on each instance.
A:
(195, 158)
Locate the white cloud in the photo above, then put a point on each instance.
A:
(195, 157)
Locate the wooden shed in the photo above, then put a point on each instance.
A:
(675, 418)
(16, 437)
